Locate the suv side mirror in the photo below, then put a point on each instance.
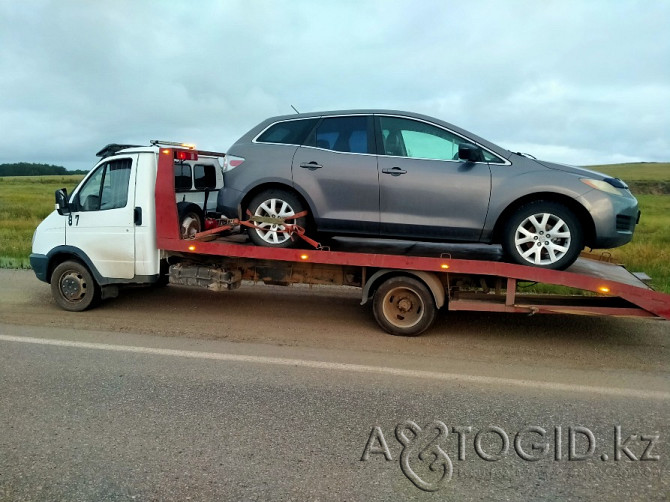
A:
(469, 152)
(62, 204)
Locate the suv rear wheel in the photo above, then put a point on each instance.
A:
(275, 203)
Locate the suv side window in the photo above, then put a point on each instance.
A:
(493, 159)
(415, 139)
(343, 134)
(288, 132)
(411, 138)
(107, 188)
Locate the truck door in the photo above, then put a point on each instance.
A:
(102, 219)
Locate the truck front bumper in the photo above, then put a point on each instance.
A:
(40, 265)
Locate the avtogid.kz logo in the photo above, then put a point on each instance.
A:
(426, 463)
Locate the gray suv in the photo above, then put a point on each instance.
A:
(383, 173)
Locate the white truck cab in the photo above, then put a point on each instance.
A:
(109, 221)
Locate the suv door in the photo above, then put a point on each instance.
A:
(102, 222)
(336, 169)
(426, 192)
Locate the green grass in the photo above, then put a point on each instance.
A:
(643, 178)
(641, 171)
(649, 251)
(24, 202)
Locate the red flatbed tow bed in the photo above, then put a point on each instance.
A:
(609, 288)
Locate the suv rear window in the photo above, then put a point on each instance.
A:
(289, 132)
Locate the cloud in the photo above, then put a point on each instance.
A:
(577, 82)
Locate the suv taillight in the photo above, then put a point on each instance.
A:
(230, 162)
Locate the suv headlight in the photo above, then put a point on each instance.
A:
(613, 186)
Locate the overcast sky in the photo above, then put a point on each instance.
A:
(579, 82)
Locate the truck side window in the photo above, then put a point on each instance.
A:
(182, 177)
(107, 188)
(204, 176)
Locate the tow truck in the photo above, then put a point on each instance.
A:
(123, 226)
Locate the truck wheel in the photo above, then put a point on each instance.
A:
(73, 287)
(543, 234)
(272, 204)
(190, 220)
(404, 306)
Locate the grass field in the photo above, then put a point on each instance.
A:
(641, 171)
(26, 200)
(650, 249)
(643, 178)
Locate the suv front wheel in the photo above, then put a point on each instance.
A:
(543, 234)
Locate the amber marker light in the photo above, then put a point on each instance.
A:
(191, 247)
(444, 266)
(304, 257)
(604, 289)
(165, 152)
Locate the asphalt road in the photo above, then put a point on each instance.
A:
(295, 394)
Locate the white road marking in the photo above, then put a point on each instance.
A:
(355, 368)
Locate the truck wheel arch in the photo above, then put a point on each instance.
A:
(429, 279)
(64, 253)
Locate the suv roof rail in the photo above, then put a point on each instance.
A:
(113, 148)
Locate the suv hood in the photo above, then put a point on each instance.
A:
(577, 171)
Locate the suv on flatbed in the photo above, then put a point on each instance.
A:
(383, 173)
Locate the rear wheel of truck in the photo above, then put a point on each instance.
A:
(191, 220)
(404, 306)
(73, 287)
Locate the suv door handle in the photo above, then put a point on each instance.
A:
(396, 171)
(311, 165)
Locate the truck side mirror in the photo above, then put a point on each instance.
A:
(469, 152)
(62, 204)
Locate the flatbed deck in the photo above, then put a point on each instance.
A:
(610, 288)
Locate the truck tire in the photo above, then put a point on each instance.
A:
(404, 306)
(73, 287)
(543, 234)
(275, 203)
(191, 220)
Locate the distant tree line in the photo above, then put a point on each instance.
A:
(29, 169)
